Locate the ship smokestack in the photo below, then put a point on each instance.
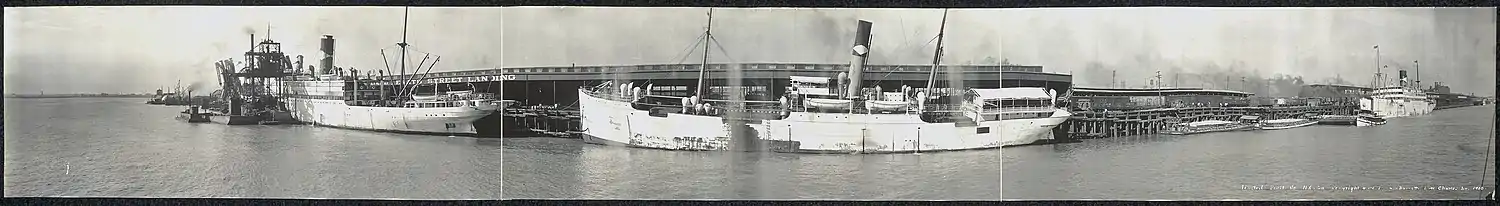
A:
(299, 67)
(327, 48)
(861, 53)
(1403, 78)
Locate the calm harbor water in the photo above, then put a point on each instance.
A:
(1443, 149)
(120, 147)
(569, 168)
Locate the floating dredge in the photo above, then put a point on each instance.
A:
(247, 97)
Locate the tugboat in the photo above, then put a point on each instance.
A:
(193, 115)
(1368, 118)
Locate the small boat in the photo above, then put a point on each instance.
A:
(1367, 118)
(425, 98)
(886, 106)
(1335, 119)
(192, 115)
(822, 103)
(1252, 120)
(1207, 126)
(1276, 124)
(505, 103)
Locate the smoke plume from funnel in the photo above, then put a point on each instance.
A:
(196, 87)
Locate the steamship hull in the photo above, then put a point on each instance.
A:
(803, 132)
(612, 122)
(431, 121)
(1389, 107)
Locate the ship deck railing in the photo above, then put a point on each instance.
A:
(726, 107)
(775, 107)
(465, 97)
(1010, 110)
(858, 107)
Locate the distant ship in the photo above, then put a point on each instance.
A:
(1398, 101)
(174, 98)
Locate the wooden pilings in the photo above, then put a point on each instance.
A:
(1105, 124)
(535, 121)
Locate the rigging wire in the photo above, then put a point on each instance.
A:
(689, 50)
(1489, 152)
(888, 73)
(721, 49)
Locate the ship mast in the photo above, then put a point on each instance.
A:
(937, 54)
(405, 16)
(707, 40)
(1374, 84)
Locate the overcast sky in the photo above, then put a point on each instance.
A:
(137, 49)
(111, 49)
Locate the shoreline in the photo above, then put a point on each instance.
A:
(74, 96)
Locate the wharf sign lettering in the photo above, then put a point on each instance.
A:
(446, 80)
(1148, 101)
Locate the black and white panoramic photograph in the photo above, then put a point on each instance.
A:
(252, 102)
(931, 104)
(1261, 103)
(762, 103)
(546, 103)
